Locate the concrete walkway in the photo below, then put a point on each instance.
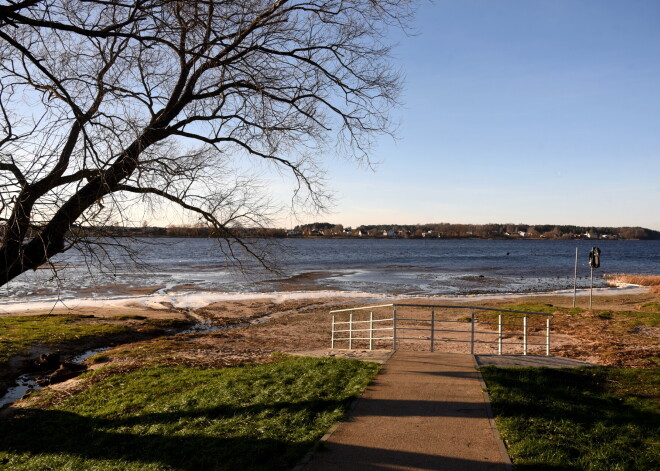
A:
(424, 411)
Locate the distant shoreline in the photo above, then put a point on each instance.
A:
(383, 231)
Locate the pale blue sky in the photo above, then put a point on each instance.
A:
(519, 111)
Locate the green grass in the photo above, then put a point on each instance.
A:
(18, 334)
(532, 307)
(578, 419)
(651, 307)
(635, 318)
(254, 417)
(513, 321)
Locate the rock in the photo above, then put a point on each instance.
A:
(66, 371)
(48, 361)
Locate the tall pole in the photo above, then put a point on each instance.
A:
(432, 328)
(371, 330)
(575, 277)
(591, 290)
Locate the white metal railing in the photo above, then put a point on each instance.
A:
(376, 329)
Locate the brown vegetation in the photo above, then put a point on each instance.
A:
(653, 281)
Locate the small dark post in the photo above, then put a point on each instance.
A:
(594, 262)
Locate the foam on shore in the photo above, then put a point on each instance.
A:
(163, 300)
(178, 300)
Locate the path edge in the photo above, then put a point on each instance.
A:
(508, 466)
(300, 466)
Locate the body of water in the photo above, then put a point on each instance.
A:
(382, 266)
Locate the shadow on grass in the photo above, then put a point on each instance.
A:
(139, 438)
(577, 394)
(54, 432)
(577, 419)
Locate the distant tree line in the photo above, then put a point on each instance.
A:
(479, 231)
(397, 231)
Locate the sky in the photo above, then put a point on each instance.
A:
(517, 111)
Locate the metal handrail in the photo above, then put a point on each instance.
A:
(526, 328)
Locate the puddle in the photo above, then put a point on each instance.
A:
(28, 382)
(80, 358)
(23, 384)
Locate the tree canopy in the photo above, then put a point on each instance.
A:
(104, 105)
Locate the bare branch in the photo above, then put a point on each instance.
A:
(108, 106)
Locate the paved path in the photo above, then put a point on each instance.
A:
(424, 411)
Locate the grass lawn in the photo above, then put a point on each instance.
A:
(252, 417)
(18, 334)
(594, 418)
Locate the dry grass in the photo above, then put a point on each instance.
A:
(642, 280)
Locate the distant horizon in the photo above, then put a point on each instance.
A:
(511, 111)
(335, 223)
(515, 110)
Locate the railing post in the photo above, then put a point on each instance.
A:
(350, 331)
(432, 328)
(332, 343)
(547, 337)
(499, 334)
(394, 329)
(371, 330)
(525, 335)
(472, 338)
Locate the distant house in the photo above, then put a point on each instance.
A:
(522, 233)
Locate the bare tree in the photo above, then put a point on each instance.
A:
(106, 104)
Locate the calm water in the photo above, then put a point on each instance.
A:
(424, 267)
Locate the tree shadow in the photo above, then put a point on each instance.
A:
(555, 393)
(343, 457)
(415, 408)
(153, 438)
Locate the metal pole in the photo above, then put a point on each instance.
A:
(371, 330)
(350, 331)
(591, 290)
(472, 339)
(394, 329)
(499, 334)
(547, 337)
(575, 277)
(525, 335)
(332, 343)
(432, 328)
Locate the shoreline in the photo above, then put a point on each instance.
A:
(197, 299)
